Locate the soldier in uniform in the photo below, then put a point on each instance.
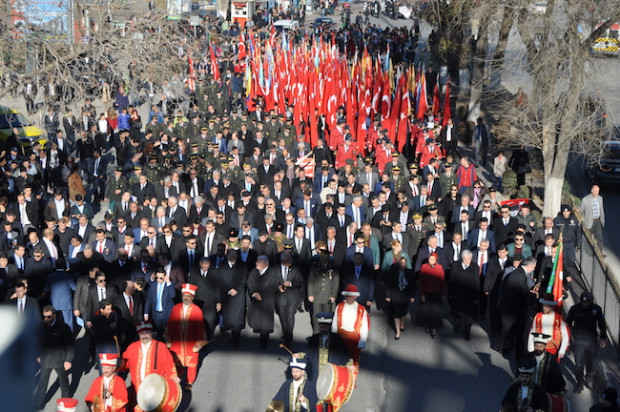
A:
(152, 170)
(417, 233)
(571, 239)
(115, 186)
(397, 178)
(135, 178)
(323, 283)
(447, 179)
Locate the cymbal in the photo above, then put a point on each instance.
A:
(275, 406)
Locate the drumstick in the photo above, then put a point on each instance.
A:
(118, 348)
(286, 349)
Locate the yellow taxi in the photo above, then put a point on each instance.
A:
(28, 132)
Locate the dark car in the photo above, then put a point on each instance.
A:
(607, 169)
(322, 21)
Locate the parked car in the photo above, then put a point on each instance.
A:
(607, 168)
(28, 132)
(284, 26)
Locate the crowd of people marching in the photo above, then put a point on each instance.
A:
(225, 212)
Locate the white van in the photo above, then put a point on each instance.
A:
(284, 26)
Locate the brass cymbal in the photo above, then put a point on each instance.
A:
(275, 406)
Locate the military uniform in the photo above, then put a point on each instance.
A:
(323, 284)
(152, 172)
(416, 237)
(114, 184)
(447, 181)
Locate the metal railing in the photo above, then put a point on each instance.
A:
(601, 281)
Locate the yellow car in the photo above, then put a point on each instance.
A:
(28, 132)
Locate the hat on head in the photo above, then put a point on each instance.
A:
(447, 164)
(297, 363)
(324, 252)
(565, 208)
(610, 394)
(108, 359)
(189, 289)
(144, 326)
(324, 317)
(67, 404)
(432, 207)
(349, 162)
(526, 365)
(119, 168)
(351, 290)
(396, 169)
(395, 154)
(586, 297)
(492, 189)
(288, 244)
(430, 140)
(413, 166)
(548, 299)
(541, 337)
(417, 216)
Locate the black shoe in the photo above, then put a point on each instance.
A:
(188, 387)
(578, 388)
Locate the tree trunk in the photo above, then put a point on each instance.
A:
(553, 195)
(477, 78)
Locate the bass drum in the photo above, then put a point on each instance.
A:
(159, 394)
(558, 403)
(335, 385)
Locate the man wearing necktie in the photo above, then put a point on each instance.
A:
(209, 294)
(289, 295)
(159, 301)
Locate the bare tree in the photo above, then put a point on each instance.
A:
(123, 51)
(550, 58)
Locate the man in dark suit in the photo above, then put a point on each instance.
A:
(308, 203)
(155, 240)
(209, 295)
(492, 280)
(104, 246)
(397, 234)
(121, 268)
(96, 293)
(27, 212)
(289, 295)
(57, 353)
(159, 301)
(514, 298)
(480, 233)
(359, 247)
(143, 189)
(358, 274)
(24, 304)
(548, 228)
(100, 173)
(504, 226)
(302, 252)
(449, 138)
(190, 255)
(209, 239)
(130, 306)
(456, 212)
(425, 251)
(53, 207)
(175, 212)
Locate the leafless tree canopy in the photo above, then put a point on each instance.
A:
(124, 52)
